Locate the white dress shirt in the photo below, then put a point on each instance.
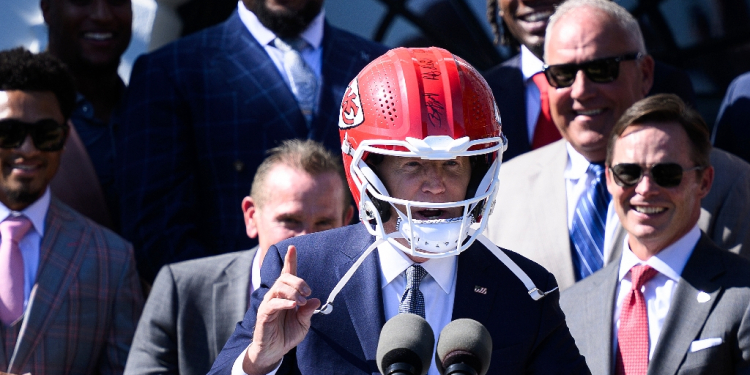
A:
(438, 289)
(531, 65)
(31, 241)
(313, 35)
(577, 180)
(659, 290)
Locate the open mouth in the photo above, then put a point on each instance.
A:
(536, 16)
(649, 210)
(430, 214)
(98, 36)
(591, 112)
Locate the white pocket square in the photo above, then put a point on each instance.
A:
(704, 344)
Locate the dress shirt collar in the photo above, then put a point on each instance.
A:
(669, 262)
(393, 262)
(36, 212)
(530, 64)
(577, 166)
(313, 34)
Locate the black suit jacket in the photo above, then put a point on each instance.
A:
(506, 82)
(199, 115)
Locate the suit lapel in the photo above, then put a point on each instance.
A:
(61, 253)
(510, 94)
(687, 315)
(233, 287)
(473, 272)
(549, 188)
(243, 59)
(599, 320)
(362, 297)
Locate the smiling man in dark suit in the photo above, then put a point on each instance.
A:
(674, 302)
(69, 293)
(201, 112)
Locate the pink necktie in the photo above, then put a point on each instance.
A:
(632, 336)
(545, 132)
(12, 230)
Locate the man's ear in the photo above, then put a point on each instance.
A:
(647, 74)
(249, 208)
(348, 214)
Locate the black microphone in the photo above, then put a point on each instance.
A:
(405, 346)
(464, 348)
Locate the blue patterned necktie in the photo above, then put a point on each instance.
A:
(412, 301)
(589, 221)
(302, 79)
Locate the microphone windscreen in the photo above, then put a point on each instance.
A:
(406, 338)
(464, 341)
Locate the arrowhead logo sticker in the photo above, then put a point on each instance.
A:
(351, 113)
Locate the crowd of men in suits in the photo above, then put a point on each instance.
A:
(608, 180)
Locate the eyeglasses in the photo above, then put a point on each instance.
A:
(600, 70)
(664, 174)
(47, 134)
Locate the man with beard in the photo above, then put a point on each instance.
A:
(69, 293)
(90, 37)
(201, 112)
(516, 83)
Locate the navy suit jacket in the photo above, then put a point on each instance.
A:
(506, 82)
(731, 132)
(528, 336)
(199, 116)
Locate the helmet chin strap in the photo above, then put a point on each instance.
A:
(533, 291)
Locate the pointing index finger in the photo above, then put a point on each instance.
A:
(290, 261)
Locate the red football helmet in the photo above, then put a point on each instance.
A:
(430, 104)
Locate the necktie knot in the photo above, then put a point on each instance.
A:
(412, 301)
(541, 82)
(597, 169)
(641, 274)
(14, 228)
(288, 44)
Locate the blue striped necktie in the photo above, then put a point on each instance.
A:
(412, 301)
(302, 79)
(589, 221)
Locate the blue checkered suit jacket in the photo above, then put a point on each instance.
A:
(199, 116)
(85, 304)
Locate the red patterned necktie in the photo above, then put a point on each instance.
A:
(12, 230)
(632, 336)
(545, 131)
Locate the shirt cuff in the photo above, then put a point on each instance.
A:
(237, 367)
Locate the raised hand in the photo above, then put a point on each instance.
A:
(283, 319)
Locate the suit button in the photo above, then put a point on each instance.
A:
(239, 165)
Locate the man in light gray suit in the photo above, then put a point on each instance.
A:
(194, 305)
(673, 302)
(597, 68)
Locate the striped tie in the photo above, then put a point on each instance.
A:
(412, 301)
(589, 220)
(302, 79)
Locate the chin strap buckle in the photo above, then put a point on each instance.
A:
(537, 294)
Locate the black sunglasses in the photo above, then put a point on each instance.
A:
(600, 70)
(666, 175)
(47, 134)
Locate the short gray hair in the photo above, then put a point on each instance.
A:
(619, 14)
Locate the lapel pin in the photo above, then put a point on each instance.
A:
(703, 297)
(480, 289)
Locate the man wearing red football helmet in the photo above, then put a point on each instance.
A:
(422, 144)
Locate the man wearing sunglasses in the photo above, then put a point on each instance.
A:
(519, 86)
(597, 67)
(673, 300)
(70, 297)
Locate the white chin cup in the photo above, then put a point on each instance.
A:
(434, 236)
